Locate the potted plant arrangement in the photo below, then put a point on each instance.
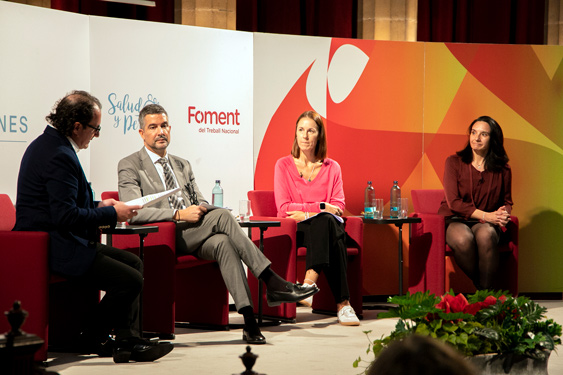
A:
(499, 333)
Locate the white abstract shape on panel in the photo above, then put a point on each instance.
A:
(346, 68)
(316, 85)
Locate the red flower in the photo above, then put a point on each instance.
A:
(490, 300)
(473, 308)
(453, 304)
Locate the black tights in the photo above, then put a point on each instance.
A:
(475, 251)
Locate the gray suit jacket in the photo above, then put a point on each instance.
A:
(138, 177)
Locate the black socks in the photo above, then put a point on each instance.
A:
(250, 324)
(273, 280)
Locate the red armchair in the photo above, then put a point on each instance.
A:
(24, 275)
(56, 308)
(174, 288)
(431, 263)
(280, 248)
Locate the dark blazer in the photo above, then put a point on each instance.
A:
(53, 195)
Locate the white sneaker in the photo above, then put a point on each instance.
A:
(347, 317)
(307, 302)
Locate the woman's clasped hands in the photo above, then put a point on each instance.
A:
(500, 217)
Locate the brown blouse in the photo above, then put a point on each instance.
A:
(467, 189)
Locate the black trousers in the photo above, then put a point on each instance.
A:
(325, 240)
(120, 274)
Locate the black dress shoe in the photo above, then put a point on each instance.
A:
(253, 338)
(140, 351)
(87, 344)
(292, 293)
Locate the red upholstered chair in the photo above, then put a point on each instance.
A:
(24, 275)
(431, 263)
(177, 289)
(56, 308)
(280, 248)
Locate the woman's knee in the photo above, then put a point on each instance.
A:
(461, 244)
(460, 239)
(486, 236)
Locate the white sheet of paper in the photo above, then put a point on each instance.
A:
(147, 200)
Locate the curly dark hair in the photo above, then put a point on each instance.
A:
(496, 158)
(77, 106)
(150, 109)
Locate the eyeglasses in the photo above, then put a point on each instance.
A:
(97, 129)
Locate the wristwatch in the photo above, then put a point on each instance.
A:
(322, 205)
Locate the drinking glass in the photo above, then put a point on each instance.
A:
(378, 211)
(244, 210)
(404, 208)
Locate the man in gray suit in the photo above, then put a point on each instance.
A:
(208, 234)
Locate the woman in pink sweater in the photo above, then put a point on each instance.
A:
(308, 188)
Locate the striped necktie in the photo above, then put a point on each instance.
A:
(175, 203)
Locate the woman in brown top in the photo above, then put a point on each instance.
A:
(477, 186)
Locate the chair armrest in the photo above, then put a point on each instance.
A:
(354, 231)
(25, 256)
(513, 227)
(427, 254)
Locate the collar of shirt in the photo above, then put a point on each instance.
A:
(154, 157)
(72, 143)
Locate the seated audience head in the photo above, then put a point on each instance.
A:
(420, 355)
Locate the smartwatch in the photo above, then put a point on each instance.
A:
(322, 205)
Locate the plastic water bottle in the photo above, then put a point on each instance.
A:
(217, 194)
(369, 201)
(395, 200)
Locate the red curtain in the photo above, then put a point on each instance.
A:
(331, 18)
(481, 21)
(162, 12)
(464, 21)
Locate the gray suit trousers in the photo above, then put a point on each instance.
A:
(218, 236)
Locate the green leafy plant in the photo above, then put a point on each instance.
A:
(481, 323)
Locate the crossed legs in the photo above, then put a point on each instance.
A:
(475, 251)
(219, 237)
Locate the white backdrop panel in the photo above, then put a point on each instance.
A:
(45, 54)
(186, 70)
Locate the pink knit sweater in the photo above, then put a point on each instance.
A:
(295, 193)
